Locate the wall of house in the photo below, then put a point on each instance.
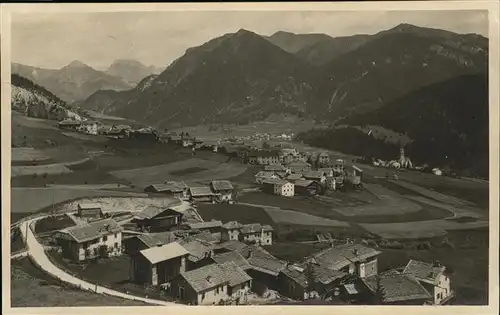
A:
(290, 288)
(368, 268)
(213, 296)
(285, 190)
(133, 245)
(442, 290)
(91, 249)
(230, 235)
(240, 289)
(190, 296)
(141, 269)
(169, 269)
(90, 213)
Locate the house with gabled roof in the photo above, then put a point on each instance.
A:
(102, 238)
(231, 231)
(136, 243)
(256, 233)
(214, 226)
(317, 176)
(307, 187)
(157, 219)
(395, 288)
(159, 264)
(89, 211)
(299, 166)
(264, 157)
(223, 189)
(278, 187)
(433, 277)
(261, 176)
(202, 194)
(210, 285)
(174, 189)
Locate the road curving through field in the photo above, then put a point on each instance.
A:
(36, 251)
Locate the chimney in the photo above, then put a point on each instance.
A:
(437, 263)
(208, 278)
(159, 244)
(355, 251)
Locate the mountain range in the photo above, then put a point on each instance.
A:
(241, 77)
(35, 101)
(77, 81)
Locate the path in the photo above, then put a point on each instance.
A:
(36, 251)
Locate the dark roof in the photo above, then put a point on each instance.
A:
(201, 191)
(274, 181)
(274, 167)
(151, 212)
(205, 225)
(197, 249)
(264, 153)
(233, 245)
(234, 274)
(208, 237)
(206, 277)
(171, 187)
(338, 257)
(296, 273)
(294, 176)
(424, 271)
(397, 287)
(231, 225)
(70, 122)
(261, 260)
(153, 239)
(303, 183)
(93, 230)
(314, 174)
(298, 163)
(88, 206)
(222, 185)
(255, 228)
(232, 256)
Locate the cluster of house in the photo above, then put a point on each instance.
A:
(216, 191)
(297, 178)
(220, 263)
(263, 136)
(84, 126)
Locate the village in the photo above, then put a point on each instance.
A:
(180, 257)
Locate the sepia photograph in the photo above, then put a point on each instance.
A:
(249, 157)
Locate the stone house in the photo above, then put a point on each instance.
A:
(157, 265)
(307, 188)
(89, 211)
(210, 285)
(278, 187)
(202, 194)
(101, 238)
(433, 278)
(154, 219)
(316, 176)
(223, 188)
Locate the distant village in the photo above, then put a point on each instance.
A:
(200, 262)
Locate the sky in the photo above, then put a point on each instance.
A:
(53, 40)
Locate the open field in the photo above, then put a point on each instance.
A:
(53, 223)
(276, 127)
(111, 272)
(389, 203)
(419, 229)
(161, 173)
(27, 154)
(39, 170)
(19, 119)
(446, 199)
(89, 178)
(467, 260)
(294, 252)
(31, 287)
(295, 217)
(236, 212)
(100, 116)
(24, 199)
(85, 137)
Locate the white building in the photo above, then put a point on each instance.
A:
(279, 187)
(101, 238)
(433, 278)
